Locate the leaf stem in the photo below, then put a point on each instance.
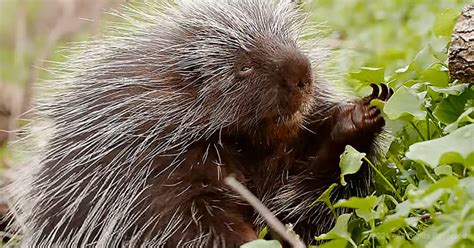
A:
(428, 133)
(427, 172)
(384, 179)
(402, 169)
(417, 130)
(433, 118)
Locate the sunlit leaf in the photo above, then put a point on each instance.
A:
(451, 107)
(457, 147)
(350, 162)
(443, 170)
(466, 117)
(363, 206)
(405, 102)
(436, 75)
(445, 22)
(452, 90)
(369, 74)
(339, 231)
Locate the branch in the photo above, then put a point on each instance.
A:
(271, 220)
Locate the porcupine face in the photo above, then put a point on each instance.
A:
(282, 81)
(246, 55)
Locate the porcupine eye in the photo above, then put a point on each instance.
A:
(245, 70)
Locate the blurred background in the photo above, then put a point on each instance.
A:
(34, 34)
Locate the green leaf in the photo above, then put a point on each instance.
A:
(466, 117)
(405, 102)
(263, 233)
(350, 162)
(456, 147)
(440, 235)
(363, 206)
(260, 243)
(444, 23)
(390, 225)
(339, 231)
(449, 182)
(369, 74)
(443, 170)
(451, 107)
(437, 75)
(428, 200)
(337, 243)
(326, 198)
(452, 90)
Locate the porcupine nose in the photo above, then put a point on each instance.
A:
(296, 71)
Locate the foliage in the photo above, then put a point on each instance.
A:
(424, 182)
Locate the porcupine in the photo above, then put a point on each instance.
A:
(149, 119)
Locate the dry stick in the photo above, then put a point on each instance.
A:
(271, 220)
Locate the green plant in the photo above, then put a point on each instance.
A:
(424, 181)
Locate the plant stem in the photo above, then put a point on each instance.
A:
(434, 121)
(428, 133)
(418, 131)
(400, 167)
(400, 198)
(427, 172)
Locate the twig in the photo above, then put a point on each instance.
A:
(271, 220)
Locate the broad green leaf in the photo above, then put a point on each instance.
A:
(364, 206)
(443, 170)
(339, 231)
(350, 162)
(428, 200)
(456, 147)
(369, 74)
(466, 117)
(403, 208)
(451, 107)
(451, 90)
(422, 60)
(405, 102)
(449, 182)
(390, 225)
(444, 23)
(262, 244)
(437, 75)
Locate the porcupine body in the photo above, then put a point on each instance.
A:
(149, 120)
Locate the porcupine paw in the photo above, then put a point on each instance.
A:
(356, 123)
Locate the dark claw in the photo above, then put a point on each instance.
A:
(385, 92)
(375, 91)
(382, 92)
(390, 93)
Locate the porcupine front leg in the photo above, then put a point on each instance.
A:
(355, 123)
